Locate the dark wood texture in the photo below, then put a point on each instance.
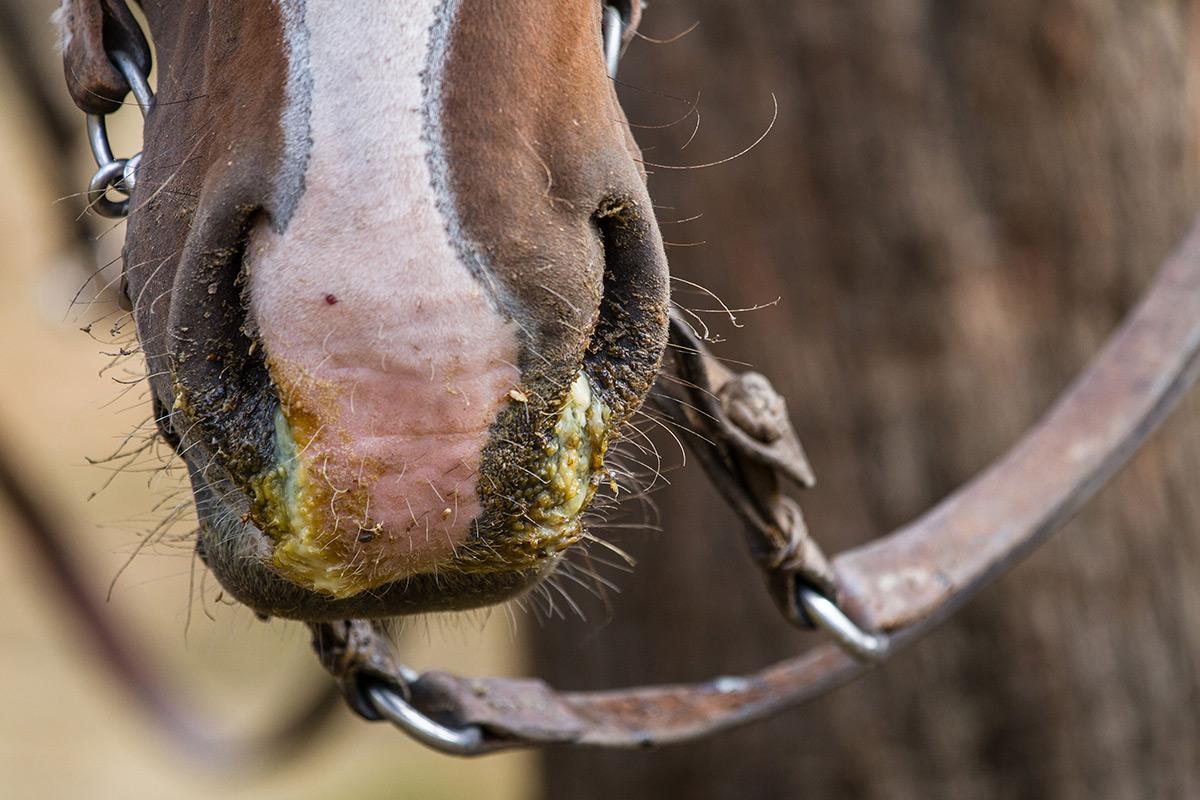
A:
(958, 202)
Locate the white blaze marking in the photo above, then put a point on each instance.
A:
(370, 319)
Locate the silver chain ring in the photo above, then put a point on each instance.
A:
(118, 175)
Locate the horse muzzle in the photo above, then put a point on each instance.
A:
(401, 334)
(380, 436)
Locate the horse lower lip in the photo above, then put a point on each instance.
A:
(238, 554)
(343, 542)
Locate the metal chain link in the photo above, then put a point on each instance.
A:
(116, 174)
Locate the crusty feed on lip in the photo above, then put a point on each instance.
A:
(303, 515)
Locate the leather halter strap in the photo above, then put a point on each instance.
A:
(904, 583)
(93, 29)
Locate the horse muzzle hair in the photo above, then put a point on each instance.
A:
(399, 285)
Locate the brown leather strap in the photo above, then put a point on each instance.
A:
(91, 30)
(904, 583)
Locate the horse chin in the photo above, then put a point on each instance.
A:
(239, 554)
(540, 470)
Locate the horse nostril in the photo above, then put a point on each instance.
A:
(627, 345)
(220, 393)
(546, 457)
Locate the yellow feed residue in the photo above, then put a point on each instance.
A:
(574, 459)
(307, 551)
(293, 510)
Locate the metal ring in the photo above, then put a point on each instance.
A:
(129, 174)
(870, 648)
(142, 92)
(465, 741)
(97, 131)
(109, 176)
(97, 127)
(614, 29)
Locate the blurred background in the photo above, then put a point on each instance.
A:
(956, 205)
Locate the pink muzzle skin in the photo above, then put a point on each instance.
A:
(390, 366)
(389, 360)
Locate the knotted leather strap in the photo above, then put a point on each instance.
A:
(747, 446)
(904, 583)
